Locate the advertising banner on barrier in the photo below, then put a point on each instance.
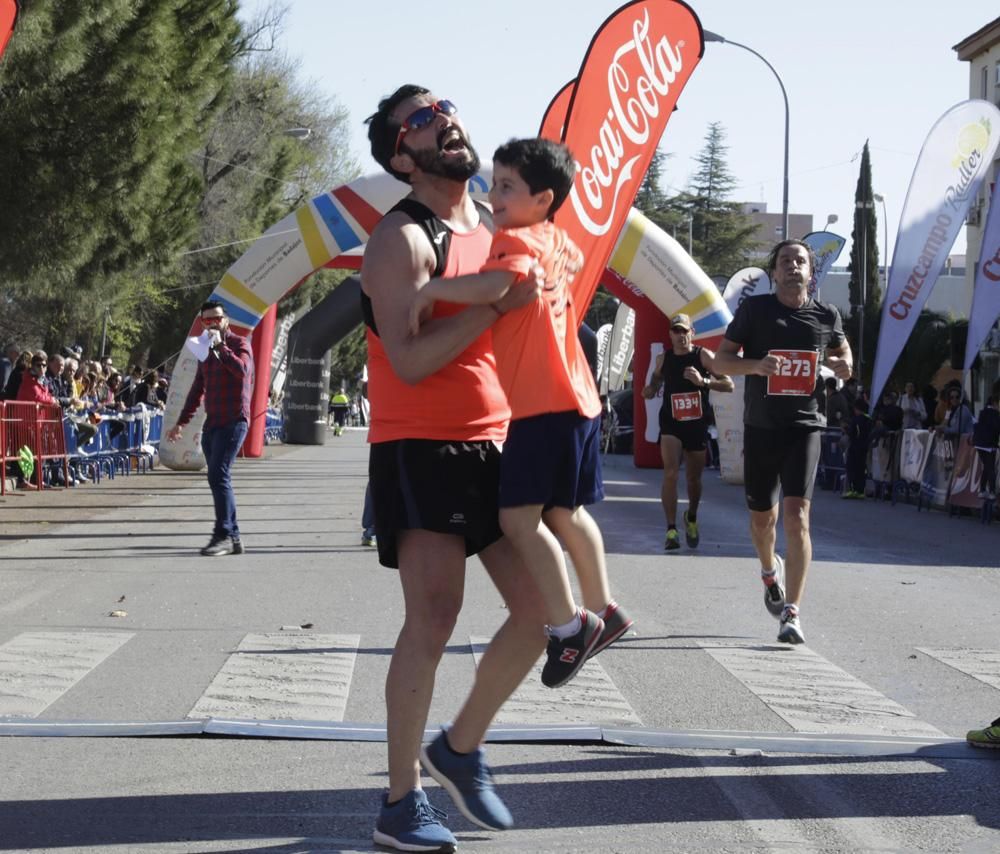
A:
(950, 168)
(913, 454)
(620, 349)
(986, 295)
(631, 77)
(827, 247)
(937, 473)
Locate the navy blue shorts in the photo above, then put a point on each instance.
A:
(553, 460)
(430, 485)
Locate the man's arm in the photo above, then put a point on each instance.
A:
(655, 380)
(237, 360)
(398, 262)
(840, 361)
(728, 361)
(717, 380)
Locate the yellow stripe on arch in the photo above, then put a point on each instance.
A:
(628, 247)
(700, 303)
(235, 288)
(318, 253)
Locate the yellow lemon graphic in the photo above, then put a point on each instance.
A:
(973, 137)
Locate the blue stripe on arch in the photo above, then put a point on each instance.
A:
(715, 320)
(235, 312)
(336, 224)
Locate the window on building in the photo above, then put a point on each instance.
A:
(985, 84)
(997, 73)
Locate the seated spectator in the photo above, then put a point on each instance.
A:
(146, 392)
(33, 388)
(914, 411)
(130, 386)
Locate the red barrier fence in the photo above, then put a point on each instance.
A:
(36, 426)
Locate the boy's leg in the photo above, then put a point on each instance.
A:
(582, 538)
(432, 574)
(541, 552)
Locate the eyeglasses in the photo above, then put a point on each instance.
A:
(213, 318)
(421, 118)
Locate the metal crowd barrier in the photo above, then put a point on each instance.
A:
(37, 426)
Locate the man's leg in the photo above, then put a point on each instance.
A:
(763, 527)
(694, 465)
(798, 544)
(511, 654)
(670, 451)
(432, 574)
(224, 445)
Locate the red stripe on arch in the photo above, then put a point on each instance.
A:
(364, 214)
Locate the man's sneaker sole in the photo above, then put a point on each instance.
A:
(387, 841)
(988, 737)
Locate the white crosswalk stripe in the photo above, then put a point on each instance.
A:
(590, 698)
(813, 695)
(981, 664)
(302, 676)
(37, 668)
(283, 677)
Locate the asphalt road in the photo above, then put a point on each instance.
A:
(697, 733)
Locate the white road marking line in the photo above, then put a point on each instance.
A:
(283, 677)
(813, 695)
(981, 664)
(37, 668)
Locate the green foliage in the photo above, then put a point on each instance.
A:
(864, 264)
(926, 350)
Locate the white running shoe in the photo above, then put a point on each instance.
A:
(774, 594)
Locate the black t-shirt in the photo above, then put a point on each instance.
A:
(762, 324)
(675, 383)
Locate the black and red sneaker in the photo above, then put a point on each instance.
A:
(616, 623)
(564, 657)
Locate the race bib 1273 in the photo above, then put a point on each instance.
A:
(797, 374)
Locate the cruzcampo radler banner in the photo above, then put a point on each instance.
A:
(986, 296)
(950, 168)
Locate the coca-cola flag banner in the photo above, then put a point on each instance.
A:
(986, 296)
(826, 246)
(632, 74)
(951, 166)
(8, 17)
(748, 282)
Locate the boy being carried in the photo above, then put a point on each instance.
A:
(550, 467)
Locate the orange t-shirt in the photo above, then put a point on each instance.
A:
(541, 363)
(463, 401)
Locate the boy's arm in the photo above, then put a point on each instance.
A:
(473, 289)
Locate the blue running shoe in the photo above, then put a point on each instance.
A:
(412, 824)
(469, 781)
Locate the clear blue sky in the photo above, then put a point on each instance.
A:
(854, 69)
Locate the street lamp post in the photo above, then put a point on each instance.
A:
(830, 220)
(885, 222)
(715, 37)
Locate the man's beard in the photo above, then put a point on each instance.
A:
(433, 162)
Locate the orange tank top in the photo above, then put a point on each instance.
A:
(463, 401)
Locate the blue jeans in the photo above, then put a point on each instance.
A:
(220, 446)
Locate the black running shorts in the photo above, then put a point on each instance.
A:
(784, 458)
(445, 487)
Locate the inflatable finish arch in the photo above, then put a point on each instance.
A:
(654, 275)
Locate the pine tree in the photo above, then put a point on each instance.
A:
(864, 268)
(723, 234)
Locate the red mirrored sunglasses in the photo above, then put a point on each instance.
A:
(421, 118)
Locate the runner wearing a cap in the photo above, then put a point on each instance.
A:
(686, 373)
(783, 336)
